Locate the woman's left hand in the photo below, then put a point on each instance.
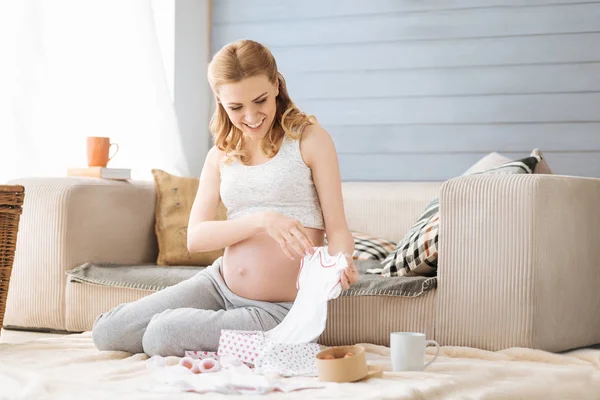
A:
(350, 274)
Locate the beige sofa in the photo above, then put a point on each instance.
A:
(518, 266)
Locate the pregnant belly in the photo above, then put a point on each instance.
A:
(257, 268)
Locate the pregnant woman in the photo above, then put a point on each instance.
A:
(276, 171)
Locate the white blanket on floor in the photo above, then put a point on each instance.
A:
(70, 367)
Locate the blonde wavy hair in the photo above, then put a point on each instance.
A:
(246, 59)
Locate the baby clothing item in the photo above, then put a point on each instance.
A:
(287, 349)
(188, 315)
(201, 355)
(255, 350)
(319, 281)
(288, 359)
(233, 378)
(283, 184)
(204, 355)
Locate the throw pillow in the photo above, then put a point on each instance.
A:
(489, 161)
(542, 167)
(174, 198)
(368, 247)
(496, 159)
(417, 253)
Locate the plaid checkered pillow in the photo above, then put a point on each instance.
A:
(370, 247)
(417, 252)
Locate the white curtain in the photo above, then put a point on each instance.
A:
(76, 68)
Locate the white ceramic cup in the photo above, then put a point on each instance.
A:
(407, 351)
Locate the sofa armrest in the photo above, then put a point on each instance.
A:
(519, 262)
(67, 222)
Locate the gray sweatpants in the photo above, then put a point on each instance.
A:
(185, 316)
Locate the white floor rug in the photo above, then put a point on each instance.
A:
(70, 367)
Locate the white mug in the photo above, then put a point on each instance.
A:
(408, 351)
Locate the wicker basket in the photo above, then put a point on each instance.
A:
(11, 207)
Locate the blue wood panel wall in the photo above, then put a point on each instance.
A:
(420, 90)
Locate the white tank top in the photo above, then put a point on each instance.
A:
(283, 184)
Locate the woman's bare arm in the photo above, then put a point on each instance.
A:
(206, 234)
(318, 151)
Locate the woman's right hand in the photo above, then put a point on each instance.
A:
(289, 233)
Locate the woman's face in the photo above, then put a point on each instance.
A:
(250, 105)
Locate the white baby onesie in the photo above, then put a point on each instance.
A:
(318, 281)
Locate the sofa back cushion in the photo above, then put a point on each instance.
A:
(386, 209)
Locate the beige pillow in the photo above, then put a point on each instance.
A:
(174, 198)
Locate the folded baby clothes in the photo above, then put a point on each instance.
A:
(233, 378)
(256, 351)
(202, 355)
(289, 348)
(319, 281)
(288, 359)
